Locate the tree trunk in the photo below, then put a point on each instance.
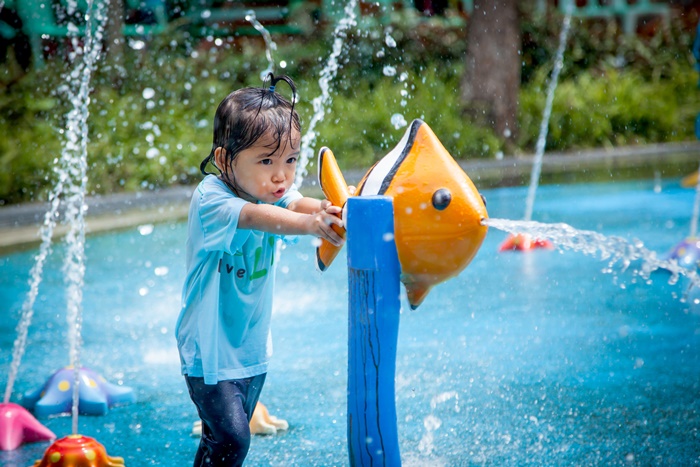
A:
(491, 81)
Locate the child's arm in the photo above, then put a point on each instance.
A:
(311, 205)
(275, 219)
(307, 205)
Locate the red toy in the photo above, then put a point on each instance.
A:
(524, 242)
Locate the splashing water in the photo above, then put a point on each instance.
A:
(432, 422)
(398, 120)
(330, 70)
(614, 250)
(696, 209)
(270, 45)
(544, 126)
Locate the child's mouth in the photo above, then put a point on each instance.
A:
(279, 193)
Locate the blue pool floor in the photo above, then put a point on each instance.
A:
(523, 359)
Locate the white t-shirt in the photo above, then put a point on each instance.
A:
(223, 331)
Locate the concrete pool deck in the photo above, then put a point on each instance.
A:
(19, 224)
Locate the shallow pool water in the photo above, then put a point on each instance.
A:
(524, 359)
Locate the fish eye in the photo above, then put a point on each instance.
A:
(441, 199)
(483, 198)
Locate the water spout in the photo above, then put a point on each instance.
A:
(544, 126)
(270, 45)
(330, 70)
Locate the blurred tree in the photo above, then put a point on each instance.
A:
(491, 81)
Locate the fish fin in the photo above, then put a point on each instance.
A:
(417, 292)
(334, 187)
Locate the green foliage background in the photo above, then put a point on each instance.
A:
(614, 90)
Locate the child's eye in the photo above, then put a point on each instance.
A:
(292, 160)
(266, 161)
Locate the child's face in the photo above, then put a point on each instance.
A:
(263, 176)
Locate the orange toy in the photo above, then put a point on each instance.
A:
(438, 211)
(78, 451)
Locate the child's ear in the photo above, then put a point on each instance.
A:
(220, 158)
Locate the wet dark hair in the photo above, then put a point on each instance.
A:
(247, 114)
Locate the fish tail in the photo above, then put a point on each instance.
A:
(335, 189)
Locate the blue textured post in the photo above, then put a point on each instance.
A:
(373, 277)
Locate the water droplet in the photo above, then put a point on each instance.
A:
(398, 121)
(137, 44)
(161, 270)
(145, 229)
(389, 41)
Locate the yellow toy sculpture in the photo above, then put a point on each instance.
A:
(690, 181)
(261, 423)
(438, 211)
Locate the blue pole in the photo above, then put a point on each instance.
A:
(373, 278)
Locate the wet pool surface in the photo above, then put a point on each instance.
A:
(524, 359)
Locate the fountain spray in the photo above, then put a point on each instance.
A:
(544, 126)
(517, 241)
(614, 250)
(330, 70)
(270, 45)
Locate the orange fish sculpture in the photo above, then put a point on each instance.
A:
(438, 211)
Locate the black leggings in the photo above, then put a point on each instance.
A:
(225, 409)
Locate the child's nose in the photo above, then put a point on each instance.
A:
(279, 175)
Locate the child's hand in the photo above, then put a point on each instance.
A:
(323, 222)
(327, 206)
